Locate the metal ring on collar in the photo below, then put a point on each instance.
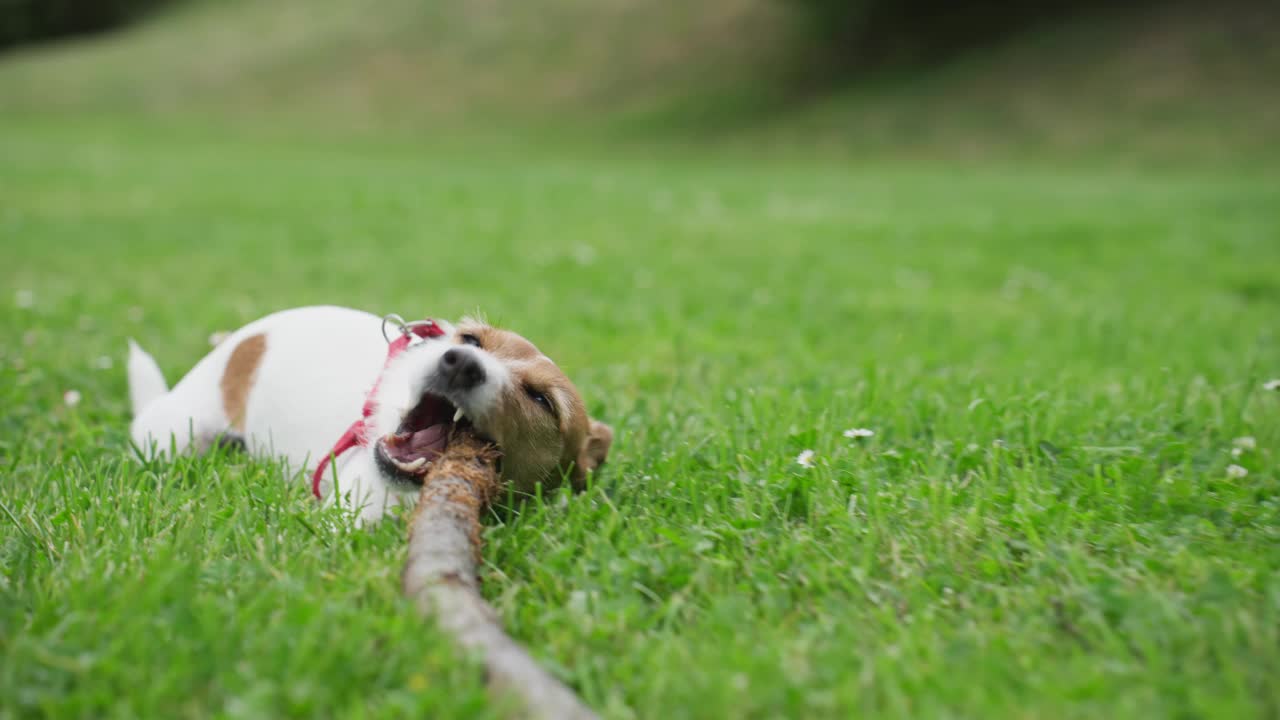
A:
(398, 321)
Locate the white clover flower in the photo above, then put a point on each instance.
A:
(805, 459)
(103, 362)
(1245, 443)
(215, 339)
(584, 255)
(854, 433)
(1237, 452)
(1236, 472)
(71, 398)
(24, 299)
(1272, 385)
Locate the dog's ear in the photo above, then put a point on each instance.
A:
(595, 448)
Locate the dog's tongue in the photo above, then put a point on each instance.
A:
(426, 440)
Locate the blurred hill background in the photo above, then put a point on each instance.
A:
(1154, 79)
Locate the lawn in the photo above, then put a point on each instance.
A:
(1056, 362)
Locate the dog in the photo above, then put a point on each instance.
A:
(293, 383)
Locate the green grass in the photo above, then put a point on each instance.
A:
(1055, 363)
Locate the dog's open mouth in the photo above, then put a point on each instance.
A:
(423, 435)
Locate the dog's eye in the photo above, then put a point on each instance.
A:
(469, 339)
(541, 398)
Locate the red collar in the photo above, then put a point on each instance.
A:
(355, 435)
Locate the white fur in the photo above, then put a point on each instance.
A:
(401, 385)
(309, 387)
(409, 375)
(146, 382)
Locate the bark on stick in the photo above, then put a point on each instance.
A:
(440, 577)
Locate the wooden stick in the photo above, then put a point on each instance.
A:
(440, 577)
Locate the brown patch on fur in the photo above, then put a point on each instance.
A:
(237, 378)
(595, 449)
(538, 446)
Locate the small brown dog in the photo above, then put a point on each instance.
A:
(290, 384)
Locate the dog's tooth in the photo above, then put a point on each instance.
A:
(457, 415)
(415, 465)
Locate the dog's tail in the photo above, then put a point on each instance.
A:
(146, 382)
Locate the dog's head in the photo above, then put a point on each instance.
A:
(504, 388)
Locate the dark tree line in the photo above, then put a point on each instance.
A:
(25, 21)
(869, 32)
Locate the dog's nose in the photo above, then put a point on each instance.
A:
(461, 369)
